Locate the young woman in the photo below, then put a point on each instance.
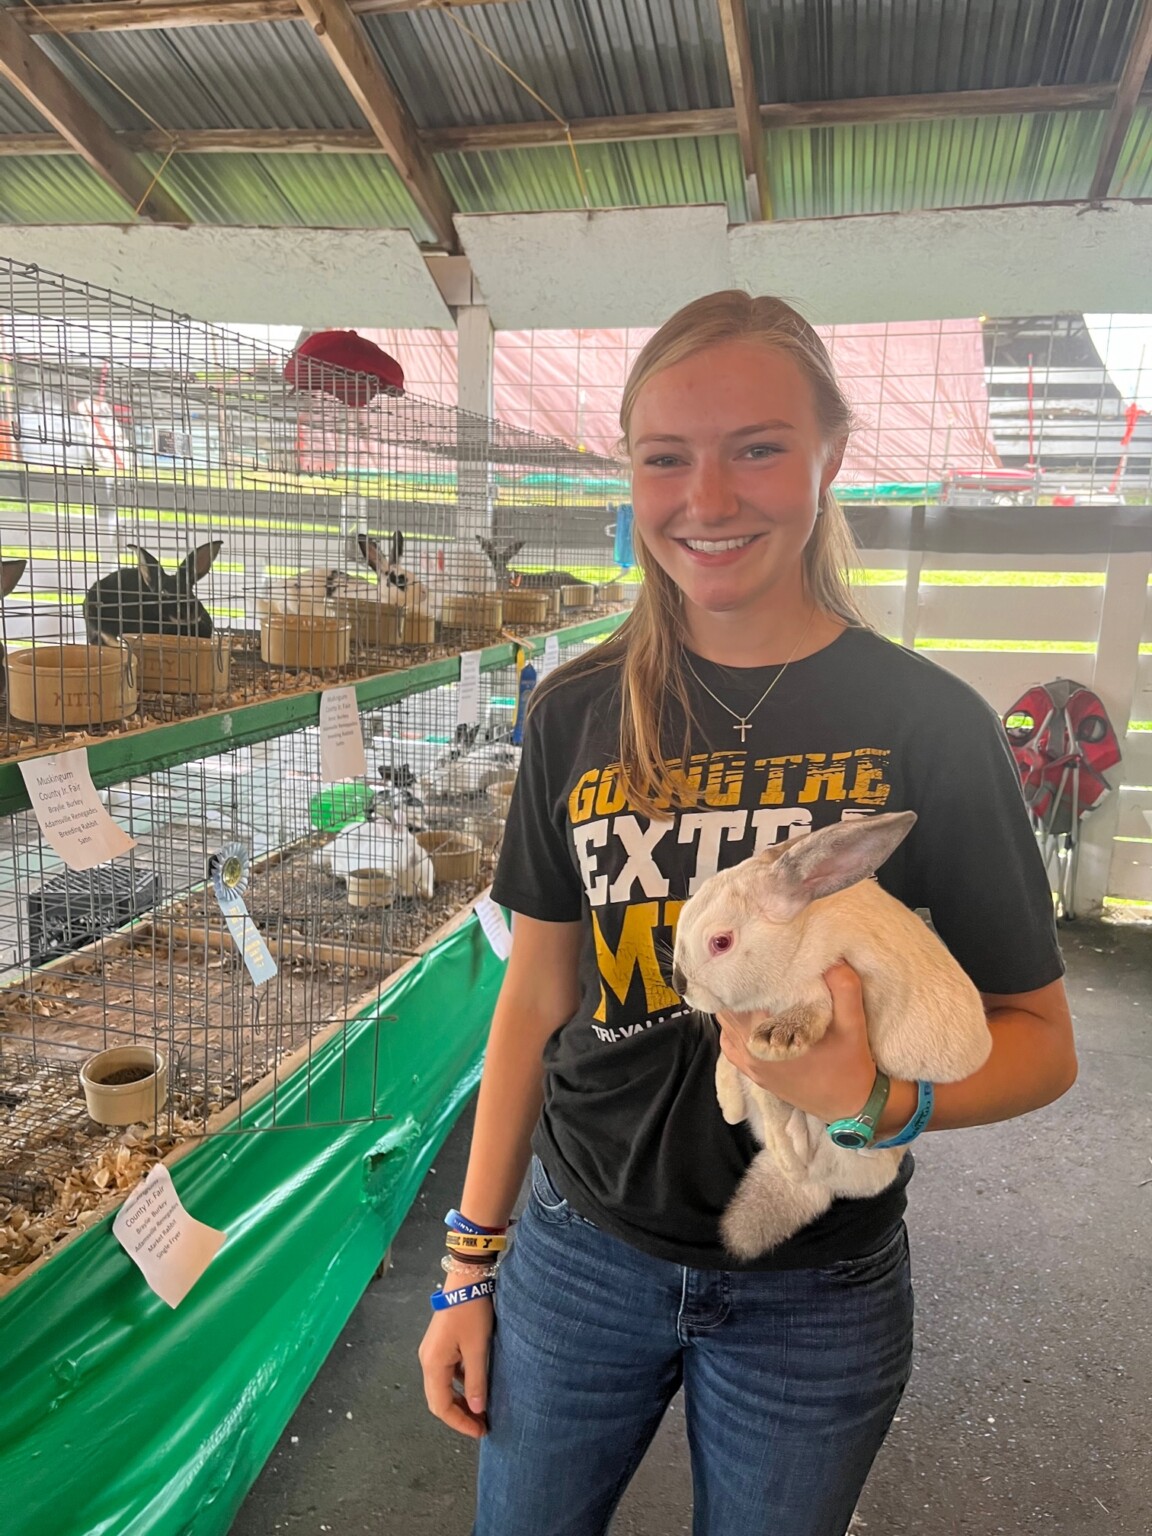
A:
(743, 702)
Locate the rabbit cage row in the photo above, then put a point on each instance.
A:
(183, 529)
(344, 882)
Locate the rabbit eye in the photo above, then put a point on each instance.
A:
(720, 943)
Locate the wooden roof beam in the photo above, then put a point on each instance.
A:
(702, 123)
(149, 15)
(25, 65)
(342, 37)
(746, 100)
(1132, 78)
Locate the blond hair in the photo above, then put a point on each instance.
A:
(649, 644)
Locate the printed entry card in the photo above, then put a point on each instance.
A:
(171, 1248)
(70, 812)
(341, 739)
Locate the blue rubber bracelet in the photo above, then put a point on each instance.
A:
(925, 1098)
(441, 1300)
(457, 1223)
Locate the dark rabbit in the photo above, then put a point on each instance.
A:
(145, 599)
(524, 581)
(10, 573)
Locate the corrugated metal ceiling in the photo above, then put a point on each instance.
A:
(253, 76)
(592, 58)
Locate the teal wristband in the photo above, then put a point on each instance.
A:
(925, 1097)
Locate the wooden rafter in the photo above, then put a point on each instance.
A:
(703, 123)
(746, 100)
(342, 37)
(1132, 78)
(25, 65)
(149, 15)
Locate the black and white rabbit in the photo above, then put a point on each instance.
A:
(397, 586)
(145, 599)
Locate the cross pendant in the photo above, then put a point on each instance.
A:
(743, 727)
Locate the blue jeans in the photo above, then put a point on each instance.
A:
(790, 1377)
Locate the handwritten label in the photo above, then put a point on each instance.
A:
(71, 816)
(551, 656)
(171, 1248)
(495, 926)
(341, 739)
(468, 694)
(247, 938)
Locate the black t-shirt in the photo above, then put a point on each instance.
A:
(630, 1132)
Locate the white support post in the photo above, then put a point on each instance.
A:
(475, 345)
(1114, 679)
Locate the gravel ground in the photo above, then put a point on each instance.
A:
(1028, 1408)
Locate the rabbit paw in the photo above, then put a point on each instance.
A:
(768, 1208)
(789, 1033)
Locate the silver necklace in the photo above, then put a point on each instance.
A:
(742, 720)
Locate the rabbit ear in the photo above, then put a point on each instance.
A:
(806, 868)
(512, 550)
(151, 571)
(198, 562)
(369, 549)
(396, 550)
(10, 573)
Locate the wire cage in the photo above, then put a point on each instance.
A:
(187, 526)
(342, 883)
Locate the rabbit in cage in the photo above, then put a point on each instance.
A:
(145, 599)
(10, 573)
(467, 769)
(758, 938)
(310, 593)
(396, 585)
(384, 843)
(524, 581)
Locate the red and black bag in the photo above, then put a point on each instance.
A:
(1062, 740)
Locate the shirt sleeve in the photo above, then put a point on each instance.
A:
(535, 874)
(975, 862)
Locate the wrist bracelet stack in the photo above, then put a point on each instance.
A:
(471, 1263)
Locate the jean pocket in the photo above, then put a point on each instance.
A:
(550, 1203)
(876, 1265)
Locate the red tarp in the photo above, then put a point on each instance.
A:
(917, 388)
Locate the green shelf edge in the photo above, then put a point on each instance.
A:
(135, 753)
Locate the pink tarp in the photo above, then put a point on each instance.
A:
(917, 388)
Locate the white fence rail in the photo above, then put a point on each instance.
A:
(1010, 596)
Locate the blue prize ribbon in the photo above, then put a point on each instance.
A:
(924, 1100)
(441, 1300)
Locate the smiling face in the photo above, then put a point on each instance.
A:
(729, 462)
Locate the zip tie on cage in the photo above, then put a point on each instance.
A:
(536, 97)
(173, 139)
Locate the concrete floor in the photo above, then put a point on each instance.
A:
(1029, 1408)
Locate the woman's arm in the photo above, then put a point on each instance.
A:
(539, 993)
(1033, 1062)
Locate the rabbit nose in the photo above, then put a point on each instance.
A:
(678, 980)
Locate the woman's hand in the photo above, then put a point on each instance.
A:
(831, 1080)
(454, 1358)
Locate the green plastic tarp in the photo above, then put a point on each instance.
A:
(120, 1416)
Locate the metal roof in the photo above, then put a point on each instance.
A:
(597, 59)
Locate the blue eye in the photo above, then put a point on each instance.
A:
(763, 450)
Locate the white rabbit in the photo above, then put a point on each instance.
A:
(760, 937)
(311, 593)
(386, 846)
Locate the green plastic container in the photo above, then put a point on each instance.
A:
(339, 806)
